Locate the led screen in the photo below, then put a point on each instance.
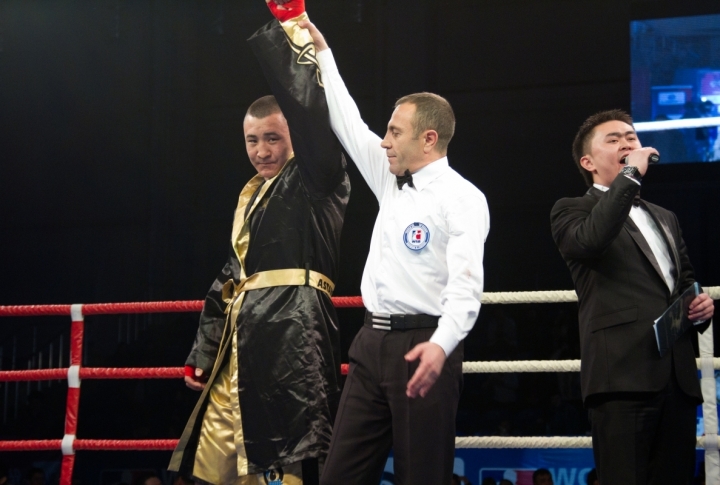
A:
(675, 95)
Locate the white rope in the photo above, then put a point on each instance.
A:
(537, 442)
(712, 291)
(554, 296)
(522, 366)
(494, 367)
(523, 442)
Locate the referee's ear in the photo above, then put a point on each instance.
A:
(430, 139)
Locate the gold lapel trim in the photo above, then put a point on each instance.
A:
(241, 231)
(240, 238)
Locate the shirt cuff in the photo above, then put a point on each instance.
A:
(699, 322)
(633, 179)
(326, 60)
(445, 339)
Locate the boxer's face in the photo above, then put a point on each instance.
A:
(268, 145)
(404, 150)
(610, 143)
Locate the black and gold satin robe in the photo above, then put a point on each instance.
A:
(287, 338)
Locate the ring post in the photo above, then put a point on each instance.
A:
(710, 417)
(73, 396)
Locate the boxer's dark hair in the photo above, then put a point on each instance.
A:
(263, 107)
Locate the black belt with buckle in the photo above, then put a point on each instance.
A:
(386, 321)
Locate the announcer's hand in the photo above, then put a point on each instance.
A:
(701, 308)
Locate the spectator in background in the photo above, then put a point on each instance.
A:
(148, 479)
(36, 476)
(592, 478)
(489, 481)
(458, 480)
(505, 481)
(181, 479)
(542, 476)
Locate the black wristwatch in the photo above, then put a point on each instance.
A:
(631, 171)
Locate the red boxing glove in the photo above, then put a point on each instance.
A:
(288, 10)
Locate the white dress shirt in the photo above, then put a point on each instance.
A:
(644, 221)
(427, 245)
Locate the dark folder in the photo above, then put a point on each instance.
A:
(674, 321)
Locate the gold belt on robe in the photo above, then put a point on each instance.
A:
(233, 293)
(277, 277)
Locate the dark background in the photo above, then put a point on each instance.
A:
(121, 159)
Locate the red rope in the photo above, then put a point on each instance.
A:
(103, 373)
(30, 445)
(132, 373)
(34, 310)
(125, 444)
(73, 396)
(140, 307)
(347, 301)
(32, 375)
(43, 445)
(143, 307)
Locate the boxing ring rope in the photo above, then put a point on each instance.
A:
(75, 373)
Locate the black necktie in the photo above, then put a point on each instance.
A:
(636, 200)
(402, 179)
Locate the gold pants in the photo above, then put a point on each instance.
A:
(220, 458)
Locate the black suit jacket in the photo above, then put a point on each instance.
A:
(621, 292)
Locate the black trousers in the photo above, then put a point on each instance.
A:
(644, 438)
(375, 415)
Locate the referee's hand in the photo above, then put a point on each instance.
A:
(432, 358)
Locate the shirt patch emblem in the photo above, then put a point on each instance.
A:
(416, 236)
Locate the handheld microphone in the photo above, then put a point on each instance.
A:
(653, 158)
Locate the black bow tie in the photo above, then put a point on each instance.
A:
(403, 179)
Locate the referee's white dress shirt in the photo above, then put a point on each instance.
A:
(427, 245)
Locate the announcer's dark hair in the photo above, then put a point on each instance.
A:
(581, 144)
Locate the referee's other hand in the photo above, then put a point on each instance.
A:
(432, 358)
